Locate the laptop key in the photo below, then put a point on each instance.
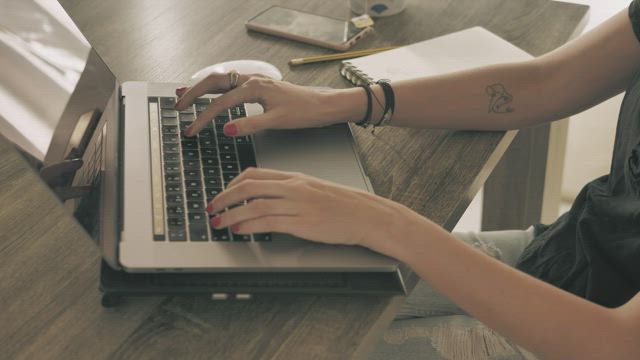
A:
(229, 167)
(211, 171)
(172, 157)
(242, 140)
(172, 177)
(171, 167)
(201, 101)
(194, 195)
(191, 164)
(207, 143)
(210, 161)
(169, 129)
(167, 103)
(175, 200)
(220, 235)
(223, 139)
(169, 121)
(173, 189)
(192, 174)
(175, 222)
(207, 133)
(170, 138)
(201, 107)
(212, 182)
(187, 117)
(177, 234)
(228, 157)
(189, 144)
(242, 238)
(226, 148)
(198, 232)
(167, 148)
(175, 210)
(195, 205)
(198, 217)
(211, 193)
(169, 113)
(193, 184)
(190, 154)
(209, 152)
(262, 237)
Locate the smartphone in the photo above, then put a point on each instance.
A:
(308, 28)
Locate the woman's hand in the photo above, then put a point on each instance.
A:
(286, 105)
(309, 208)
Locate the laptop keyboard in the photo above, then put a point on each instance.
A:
(187, 172)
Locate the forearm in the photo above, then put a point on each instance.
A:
(536, 315)
(497, 97)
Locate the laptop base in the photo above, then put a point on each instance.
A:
(116, 285)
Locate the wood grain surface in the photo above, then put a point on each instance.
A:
(49, 301)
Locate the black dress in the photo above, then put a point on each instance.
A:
(593, 250)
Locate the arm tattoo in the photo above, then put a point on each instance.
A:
(500, 99)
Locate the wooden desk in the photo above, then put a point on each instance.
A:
(49, 301)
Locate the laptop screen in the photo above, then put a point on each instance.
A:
(58, 101)
(44, 58)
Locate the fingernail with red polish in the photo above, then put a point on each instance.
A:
(215, 221)
(210, 208)
(235, 228)
(230, 129)
(179, 91)
(188, 131)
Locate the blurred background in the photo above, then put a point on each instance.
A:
(590, 134)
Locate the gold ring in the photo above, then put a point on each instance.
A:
(233, 79)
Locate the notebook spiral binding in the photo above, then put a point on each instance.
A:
(355, 75)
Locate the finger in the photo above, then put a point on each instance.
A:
(181, 91)
(250, 125)
(254, 209)
(250, 189)
(213, 83)
(259, 174)
(267, 224)
(236, 96)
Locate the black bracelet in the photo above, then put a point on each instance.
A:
(367, 116)
(389, 102)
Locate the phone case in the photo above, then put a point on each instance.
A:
(340, 47)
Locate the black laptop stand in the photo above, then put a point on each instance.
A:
(116, 285)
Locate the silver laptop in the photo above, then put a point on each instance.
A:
(150, 185)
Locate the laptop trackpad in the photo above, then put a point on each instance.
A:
(326, 153)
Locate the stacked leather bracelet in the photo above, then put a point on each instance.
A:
(389, 104)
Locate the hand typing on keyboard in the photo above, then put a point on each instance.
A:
(286, 105)
(309, 208)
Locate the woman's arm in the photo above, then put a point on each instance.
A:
(570, 79)
(544, 319)
(566, 81)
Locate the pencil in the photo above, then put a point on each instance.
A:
(338, 56)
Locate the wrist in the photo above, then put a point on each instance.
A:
(347, 105)
(350, 105)
(392, 237)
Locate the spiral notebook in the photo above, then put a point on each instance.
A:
(466, 49)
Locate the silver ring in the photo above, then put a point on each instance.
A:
(233, 79)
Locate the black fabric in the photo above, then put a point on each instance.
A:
(593, 250)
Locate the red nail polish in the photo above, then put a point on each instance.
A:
(209, 208)
(180, 90)
(230, 129)
(235, 228)
(188, 131)
(215, 221)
